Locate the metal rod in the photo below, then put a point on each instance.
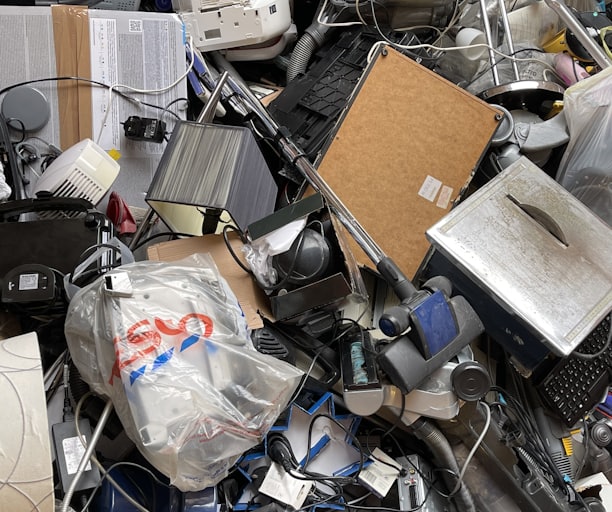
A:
(106, 412)
(208, 112)
(509, 42)
(487, 30)
(145, 224)
(52, 371)
(567, 16)
(208, 75)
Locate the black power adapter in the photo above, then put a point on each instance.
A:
(145, 129)
(69, 451)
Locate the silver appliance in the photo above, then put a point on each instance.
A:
(537, 253)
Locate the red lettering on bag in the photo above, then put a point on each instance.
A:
(166, 327)
(142, 332)
(136, 335)
(208, 324)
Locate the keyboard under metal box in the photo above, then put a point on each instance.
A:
(575, 385)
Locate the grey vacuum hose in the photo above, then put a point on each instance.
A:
(443, 453)
(311, 40)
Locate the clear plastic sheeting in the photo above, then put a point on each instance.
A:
(169, 344)
(586, 167)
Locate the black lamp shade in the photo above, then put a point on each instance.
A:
(211, 166)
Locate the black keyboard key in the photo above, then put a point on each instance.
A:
(576, 385)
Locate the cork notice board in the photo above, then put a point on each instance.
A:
(406, 146)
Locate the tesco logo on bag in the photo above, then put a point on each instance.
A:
(143, 339)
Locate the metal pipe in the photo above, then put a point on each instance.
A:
(52, 371)
(567, 16)
(145, 224)
(487, 30)
(208, 112)
(106, 412)
(508, 32)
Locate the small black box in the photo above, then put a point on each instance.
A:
(331, 286)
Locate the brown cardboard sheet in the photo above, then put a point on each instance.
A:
(406, 146)
(72, 56)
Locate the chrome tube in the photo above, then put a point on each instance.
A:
(567, 16)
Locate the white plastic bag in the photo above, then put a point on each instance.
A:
(169, 344)
(586, 167)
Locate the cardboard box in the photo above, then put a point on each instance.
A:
(250, 297)
(406, 146)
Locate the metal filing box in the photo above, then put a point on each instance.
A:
(536, 251)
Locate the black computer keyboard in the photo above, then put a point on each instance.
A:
(575, 386)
